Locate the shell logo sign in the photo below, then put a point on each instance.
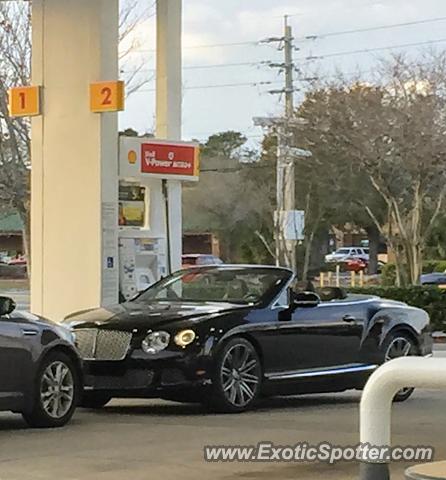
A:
(132, 157)
(170, 159)
(145, 157)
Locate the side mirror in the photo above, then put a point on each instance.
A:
(7, 306)
(305, 300)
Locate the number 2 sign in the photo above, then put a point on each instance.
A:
(24, 101)
(107, 96)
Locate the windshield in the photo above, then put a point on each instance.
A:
(343, 251)
(217, 284)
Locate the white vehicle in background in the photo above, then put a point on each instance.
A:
(4, 257)
(348, 253)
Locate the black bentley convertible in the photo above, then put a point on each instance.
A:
(226, 335)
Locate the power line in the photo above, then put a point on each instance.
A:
(228, 85)
(291, 15)
(218, 45)
(222, 65)
(375, 49)
(372, 29)
(235, 169)
(306, 37)
(211, 45)
(224, 85)
(339, 74)
(328, 34)
(199, 67)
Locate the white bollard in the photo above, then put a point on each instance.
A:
(377, 398)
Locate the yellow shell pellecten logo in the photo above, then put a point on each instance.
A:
(132, 157)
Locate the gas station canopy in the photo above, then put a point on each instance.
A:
(74, 98)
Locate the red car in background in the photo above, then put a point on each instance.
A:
(355, 265)
(199, 259)
(19, 260)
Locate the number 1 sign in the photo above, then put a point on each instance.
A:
(24, 101)
(107, 96)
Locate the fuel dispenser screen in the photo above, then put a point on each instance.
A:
(131, 205)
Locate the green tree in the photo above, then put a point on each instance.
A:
(388, 140)
(231, 199)
(15, 57)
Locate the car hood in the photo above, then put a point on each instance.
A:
(336, 255)
(133, 315)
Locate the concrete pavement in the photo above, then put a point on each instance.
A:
(154, 439)
(148, 439)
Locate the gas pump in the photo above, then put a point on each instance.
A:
(142, 256)
(150, 228)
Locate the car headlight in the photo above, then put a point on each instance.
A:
(155, 342)
(184, 338)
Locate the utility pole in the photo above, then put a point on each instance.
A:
(284, 162)
(285, 195)
(289, 69)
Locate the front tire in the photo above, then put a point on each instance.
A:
(400, 345)
(237, 377)
(57, 389)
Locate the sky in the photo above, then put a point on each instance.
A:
(220, 96)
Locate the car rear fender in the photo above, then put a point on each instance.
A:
(410, 319)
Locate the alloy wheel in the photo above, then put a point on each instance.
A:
(57, 390)
(399, 347)
(240, 375)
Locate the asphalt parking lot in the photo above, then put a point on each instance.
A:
(141, 439)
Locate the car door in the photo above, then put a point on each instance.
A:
(14, 357)
(324, 337)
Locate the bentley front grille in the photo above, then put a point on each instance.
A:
(105, 345)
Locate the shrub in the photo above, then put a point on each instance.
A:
(429, 298)
(430, 266)
(388, 274)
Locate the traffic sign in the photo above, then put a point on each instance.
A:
(24, 101)
(107, 97)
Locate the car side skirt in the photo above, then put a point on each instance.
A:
(296, 374)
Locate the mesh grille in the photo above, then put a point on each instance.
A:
(112, 344)
(106, 345)
(85, 342)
